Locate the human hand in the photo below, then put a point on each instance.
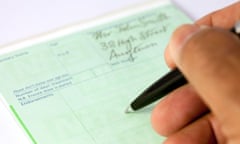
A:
(207, 110)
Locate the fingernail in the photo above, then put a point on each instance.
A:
(180, 37)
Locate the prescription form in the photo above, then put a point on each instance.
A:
(73, 86)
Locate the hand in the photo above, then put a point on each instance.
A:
(207, 110)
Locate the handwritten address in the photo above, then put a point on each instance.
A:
(124, 42)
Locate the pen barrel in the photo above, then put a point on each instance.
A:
(168, 83)
(159, 89)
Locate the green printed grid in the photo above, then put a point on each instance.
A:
(23, 125)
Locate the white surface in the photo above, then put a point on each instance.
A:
(23, 18)
(197, 9)
(10, 132)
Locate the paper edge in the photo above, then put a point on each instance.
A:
(12, 117)
(124, 12)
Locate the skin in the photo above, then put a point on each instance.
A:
(207, 110)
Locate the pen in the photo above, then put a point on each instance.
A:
(164, 85)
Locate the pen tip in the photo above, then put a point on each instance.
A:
(129, 110)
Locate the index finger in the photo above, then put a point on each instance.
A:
(224, 18)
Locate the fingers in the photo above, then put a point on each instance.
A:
(185, 31)
(224, 18)
(217, 129)
(210, 60)
(168, 59)
(198, 132)
(178, 109)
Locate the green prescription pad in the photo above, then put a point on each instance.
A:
(74, 89)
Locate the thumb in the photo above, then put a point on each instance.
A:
(210, 60)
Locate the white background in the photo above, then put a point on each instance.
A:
(20, 19)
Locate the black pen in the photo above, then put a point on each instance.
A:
(171, 81)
